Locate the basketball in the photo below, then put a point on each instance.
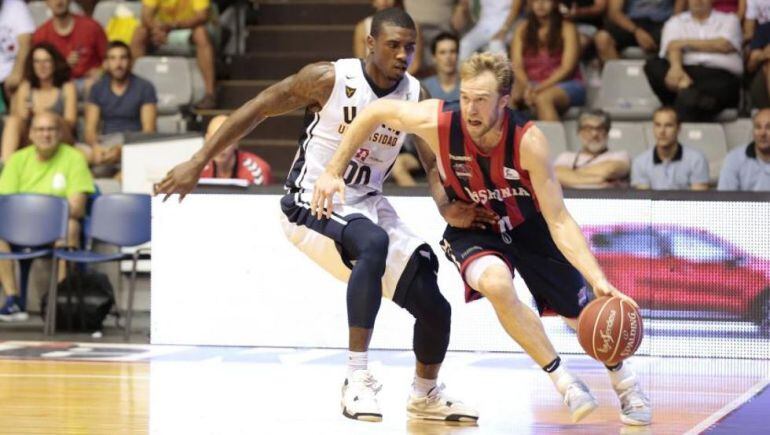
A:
(610, 329)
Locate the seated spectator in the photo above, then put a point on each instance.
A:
(633, 23)
(588, 15)
(504, 35)
(49, 167)
(748, 168)
(669, 165)
(492, 15)
(445, 85)
(699, 69)
(364, 27)
(432, 18)
(159, 17)
(756, 31)
(737, 7)
(545, 62)
(594, 166)
(233, 163)
(16, 27)
(119, 102)
(46, 87)
(79, 39)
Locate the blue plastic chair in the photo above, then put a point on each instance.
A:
(122, 220)
(33, 224)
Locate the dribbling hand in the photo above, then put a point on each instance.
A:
(464, 215)
(604, 288)
(322, 204)
(182, 180)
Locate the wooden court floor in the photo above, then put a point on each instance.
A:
(86, 389)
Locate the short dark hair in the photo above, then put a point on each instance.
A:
(667, 109)
(603, 117)
(444, 36)
(119, 44)
(61, 70)
(395, 16)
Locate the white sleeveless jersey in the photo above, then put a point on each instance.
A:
(324, 129)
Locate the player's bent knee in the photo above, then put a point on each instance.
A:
(496, 284)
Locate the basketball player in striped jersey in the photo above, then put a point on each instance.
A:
(363, 242)
(490, 155)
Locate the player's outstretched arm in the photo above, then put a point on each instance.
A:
(311, 86)
(420, 119)
(535, 158)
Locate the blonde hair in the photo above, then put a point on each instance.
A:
(495, 63)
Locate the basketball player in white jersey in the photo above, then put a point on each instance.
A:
(364, 242)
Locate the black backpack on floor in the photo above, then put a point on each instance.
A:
(83, 300)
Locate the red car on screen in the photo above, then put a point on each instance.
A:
(684, 272)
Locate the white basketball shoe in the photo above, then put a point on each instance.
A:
(579, 400)
(359, 397)
(436, 405)
(635, 409)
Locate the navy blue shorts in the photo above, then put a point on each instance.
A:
(554, 283)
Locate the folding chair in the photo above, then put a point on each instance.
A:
(33, 224)
(119, 219)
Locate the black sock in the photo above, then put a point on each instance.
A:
(552, 366)
(614, 368)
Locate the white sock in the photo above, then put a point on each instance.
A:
(561, 378)
(620, 375)
(421, 387)
(357, 361)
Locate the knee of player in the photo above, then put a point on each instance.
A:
(496, 283)
(375, 243)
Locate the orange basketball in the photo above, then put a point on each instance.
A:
(610, 329)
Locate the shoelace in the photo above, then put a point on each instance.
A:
(575, 386)
(371, 383)
(636, 401)
(435, 394)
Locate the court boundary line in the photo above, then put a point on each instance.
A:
(730, 407)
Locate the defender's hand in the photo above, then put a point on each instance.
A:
(604, 288)
(326, 186)
(464, 215)
(182, 180)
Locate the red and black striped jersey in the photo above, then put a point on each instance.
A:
(496, 179)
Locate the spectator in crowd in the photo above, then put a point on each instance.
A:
(432, 17)
(234, 163)
(699, 69)
(634, 23)
(46, 87)
(445, 85)
(490, 17)
(363, 28)
(748, 168)
(159, 17)
(594, 165)
(756, 31)
(545, 62)
(16, 28)
(79, 39)
(737, 7)
(588, 15)
(669, 165)
(48, 167)
(504, 35)
(119, 102)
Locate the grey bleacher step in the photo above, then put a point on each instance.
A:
(299, 38)
(276, 66)
(313, 12)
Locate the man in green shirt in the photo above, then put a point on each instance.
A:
(50, 168)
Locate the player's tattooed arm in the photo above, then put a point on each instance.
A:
(310, 87)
